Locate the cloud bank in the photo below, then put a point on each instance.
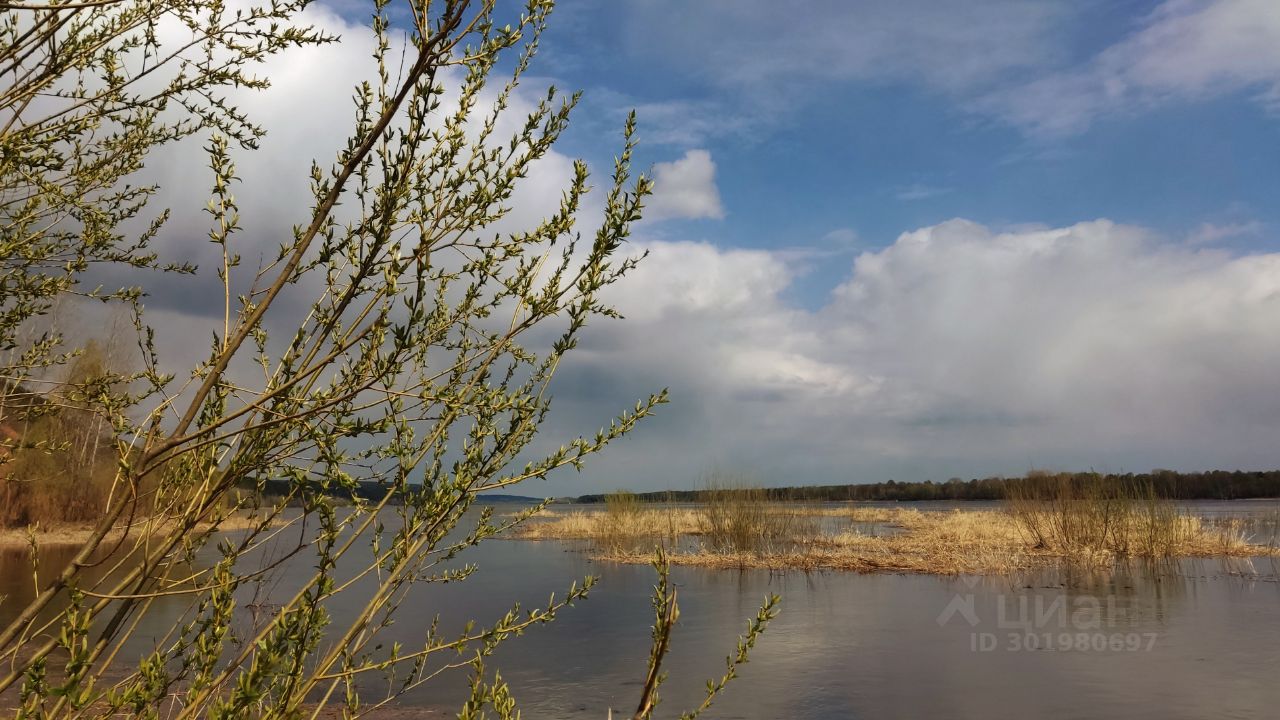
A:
(957, 350)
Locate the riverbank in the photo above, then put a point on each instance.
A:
(73, 534)
(861, 539)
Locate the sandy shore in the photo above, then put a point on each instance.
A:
(70, 535)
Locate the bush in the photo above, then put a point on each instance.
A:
(1094, 513)
(741, 518)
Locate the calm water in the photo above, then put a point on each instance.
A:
(1197, 639)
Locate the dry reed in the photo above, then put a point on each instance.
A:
(942, 542)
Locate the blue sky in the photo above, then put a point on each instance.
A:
(801, 151)
(892, 238)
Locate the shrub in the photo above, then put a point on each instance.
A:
(1090, 513)
(741, 518)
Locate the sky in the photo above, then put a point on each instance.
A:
(896, 239)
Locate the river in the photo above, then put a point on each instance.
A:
(1188, 639)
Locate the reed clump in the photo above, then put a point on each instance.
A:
(622, 525)
(625, 523)
(732, 522)
(1092, 514)
(743, 520)
(970, 542)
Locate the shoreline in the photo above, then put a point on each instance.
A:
(70, 535)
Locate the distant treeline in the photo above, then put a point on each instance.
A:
(363, 489)
(375, 491)
(1213, 485)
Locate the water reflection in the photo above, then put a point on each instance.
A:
(1182, 639)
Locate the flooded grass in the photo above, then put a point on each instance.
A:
(747, 533)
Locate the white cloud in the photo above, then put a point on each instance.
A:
(841, 242)
(946, 46)
(920, 191)
(686, 123)
(1210, 233)
(307, 113)
(1185, 50)
(1017, 62)
(685, 188)
(842, 237)
(755, 66)
(696, 279)
(954, 351)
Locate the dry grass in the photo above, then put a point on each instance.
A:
(597, 526)
(880, 515)
(50, 488)
(743, 520)
(624, 523)
(627, 525)
(951, 542)
(59, 458)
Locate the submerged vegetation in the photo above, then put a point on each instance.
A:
(1058, 523)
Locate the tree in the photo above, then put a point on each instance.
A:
(413, 366)
(88, 91)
